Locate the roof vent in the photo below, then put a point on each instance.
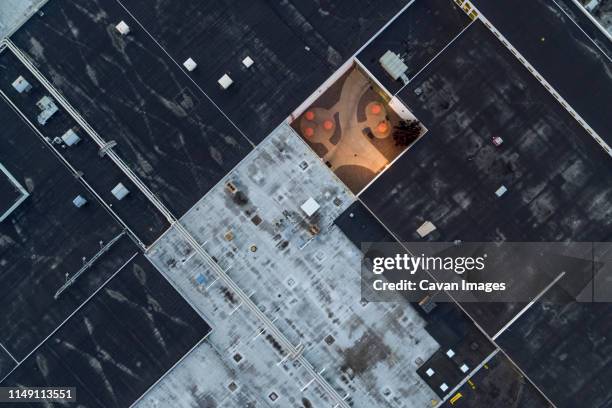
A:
(248, 61)
(119, 191)
(123, 28)
(426, 229)
(190, 64)
(21, 85)
(501, 191)
(225, 81)
(79, 201)
(70, 138)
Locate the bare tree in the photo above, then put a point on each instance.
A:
(406, 132)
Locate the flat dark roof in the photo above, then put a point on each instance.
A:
(295, 44)
(100, 173)
(129, 91)
(6, 363)
(564, 347)
(119, 343)
(498, 384)
(559, 180)
(559, 184)
(417, 35)
(561, 52)
(45, 238)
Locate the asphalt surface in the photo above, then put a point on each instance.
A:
(119, 343)
(561, 53)
(129, 91)
(295, 46)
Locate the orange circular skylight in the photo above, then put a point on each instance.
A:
(382, 127)
(309, 115)
(309, 132)
(328, 125)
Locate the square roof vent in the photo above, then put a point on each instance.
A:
(190, 64)
(70, 138)
(21, 84)
(123, 28)
(248, 61)
(426, 229)
(225, 81)
(120, 191)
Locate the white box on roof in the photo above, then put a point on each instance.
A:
(310, 207)
(225, 81)
(120, 191)
(70, 138)
(21, 84)
(190, 64)
(501, 191)
(247, 61)
(426, 229)
(123, 28)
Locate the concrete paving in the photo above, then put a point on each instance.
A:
(303, 273)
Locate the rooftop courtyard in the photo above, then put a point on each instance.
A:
(353, 128)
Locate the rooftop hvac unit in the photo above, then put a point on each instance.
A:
(393, 64)
(501, 191)
(79, 201)
(123, 28)
(190, 64)
(248, 61)
(70, 138)
(225, 81)
(426, 229)
(48, 109)
(119, 191)
(21, 85)
(592, 5)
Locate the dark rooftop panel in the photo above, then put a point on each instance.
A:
(100, 173)
(114, 348)
(561, 52)
(129, 91)
(565, 347)
(295, 46)
(559, 180)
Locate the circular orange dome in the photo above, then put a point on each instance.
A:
(376, 109)
(382, 127)
(309, 115)
(309, 132)
(328, 125)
